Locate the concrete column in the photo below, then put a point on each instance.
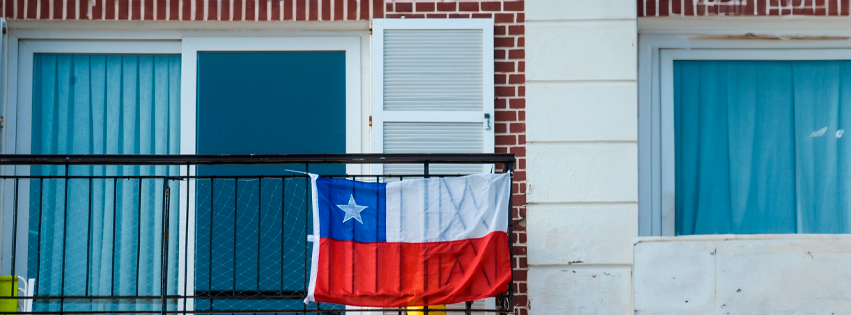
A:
(582, 217)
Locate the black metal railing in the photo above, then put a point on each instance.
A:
(190, 234)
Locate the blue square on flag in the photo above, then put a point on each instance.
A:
(351, 210)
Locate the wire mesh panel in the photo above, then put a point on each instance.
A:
(251, 249)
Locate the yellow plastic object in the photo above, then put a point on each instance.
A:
(8, 287)
(412, 310)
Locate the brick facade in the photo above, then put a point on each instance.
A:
(510, 103)
(509, 53)
(743, 7)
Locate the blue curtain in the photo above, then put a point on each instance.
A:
(761, 147)
(105, 237)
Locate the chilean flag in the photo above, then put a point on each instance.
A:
(415, 242)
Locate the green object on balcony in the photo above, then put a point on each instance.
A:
(8, 287)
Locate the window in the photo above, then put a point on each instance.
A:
(103, 92)
(747, 141)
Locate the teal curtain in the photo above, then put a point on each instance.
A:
(103, 236)
(761, 147)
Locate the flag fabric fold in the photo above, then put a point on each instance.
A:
(414, 242)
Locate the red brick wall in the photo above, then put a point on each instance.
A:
(510, 103)
(743, 8)
(509, 53)
(194, 10)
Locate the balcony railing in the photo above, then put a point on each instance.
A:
(187, 234)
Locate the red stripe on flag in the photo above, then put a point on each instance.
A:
(412, 274)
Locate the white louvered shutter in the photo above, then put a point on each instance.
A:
(432, 90)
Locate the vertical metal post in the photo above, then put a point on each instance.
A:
(401, 253)
(307, 207)
(283, 215)
(259, 217)
(14, 237)
(186, 241)
(139, 237)
(377, 219)
(425, 268)
(38, 252)
(509, 167)
(210, 256)
(64, 243)
(89, 239)
(166, 211)
(235, 227)
(114, 234)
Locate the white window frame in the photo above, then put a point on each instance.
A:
(47, 37)
(657, 52)
(380, 116)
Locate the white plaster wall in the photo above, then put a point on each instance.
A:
(726, 274)
(582, 155)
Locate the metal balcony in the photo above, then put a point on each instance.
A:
(179, 234)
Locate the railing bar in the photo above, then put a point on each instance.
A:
(210, 263)
(166, 212)
(64, 241)
(153, 297)
(202, 159)
(89, 239)
(510, 169)
(139, 237)
(401, 254)
(186, 239)
(235, 226)
(194, 177)
(314, 311)
(377, 220)
(353, 244)
(283, 215)
(259, 217)
(425, 262)
(14, 238)
(38, 246)
(401, 178)
(114, 226)
(307, 206)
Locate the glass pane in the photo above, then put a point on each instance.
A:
(251, 232)
(100, 235)
(760, 146)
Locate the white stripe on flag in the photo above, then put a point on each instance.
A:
(447, 209)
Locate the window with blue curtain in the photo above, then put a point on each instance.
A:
(761, 146)
(103, 236)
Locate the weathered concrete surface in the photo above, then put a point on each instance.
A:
(726, 274)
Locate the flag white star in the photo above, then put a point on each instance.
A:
(352, 210)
